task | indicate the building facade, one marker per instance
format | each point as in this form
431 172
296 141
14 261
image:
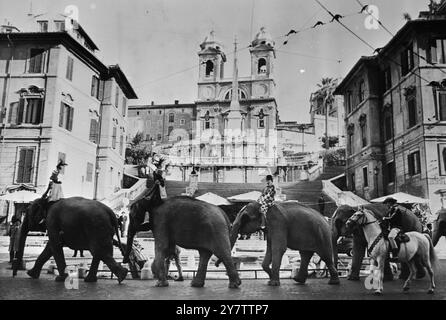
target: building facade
58 103
395 106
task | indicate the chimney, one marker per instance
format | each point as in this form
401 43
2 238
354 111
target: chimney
176 101
153 103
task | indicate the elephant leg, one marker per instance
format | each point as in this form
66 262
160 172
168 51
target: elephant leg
59 257
278 249
305 257
334 277
224 254
180 271
159 266
198 280
167 266
268 259
93 271
114 267
41 260
359 247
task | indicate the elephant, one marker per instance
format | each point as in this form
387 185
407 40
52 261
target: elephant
409 222
288 225
77 223
439 226
188 223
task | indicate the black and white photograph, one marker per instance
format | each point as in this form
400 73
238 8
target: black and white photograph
238 152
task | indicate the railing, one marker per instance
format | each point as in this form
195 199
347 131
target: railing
264 161
341 197
116 200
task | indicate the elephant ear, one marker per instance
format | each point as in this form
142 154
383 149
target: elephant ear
252 211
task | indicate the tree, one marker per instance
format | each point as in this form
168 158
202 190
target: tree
332 142
137 153
325 92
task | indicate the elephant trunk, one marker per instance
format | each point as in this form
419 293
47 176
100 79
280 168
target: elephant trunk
19 246
334 241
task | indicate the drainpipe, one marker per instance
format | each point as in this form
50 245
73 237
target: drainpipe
98 143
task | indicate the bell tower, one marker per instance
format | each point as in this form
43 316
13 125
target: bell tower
262 63
211 66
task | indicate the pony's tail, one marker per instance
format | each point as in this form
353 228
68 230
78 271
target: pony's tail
432 254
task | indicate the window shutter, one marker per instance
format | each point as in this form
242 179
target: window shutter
28 166
101 90
442 106
20 169
20 110
61 114
70 118
93 86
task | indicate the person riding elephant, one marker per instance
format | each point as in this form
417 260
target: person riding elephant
439 226
266 200
158 164
290 225
188 223
409 222
54 191
77 223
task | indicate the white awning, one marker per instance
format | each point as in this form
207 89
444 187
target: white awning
246 197
22 196
402 197
213 199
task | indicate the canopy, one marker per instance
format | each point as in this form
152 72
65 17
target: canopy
246 197
214 199
402 197
22 196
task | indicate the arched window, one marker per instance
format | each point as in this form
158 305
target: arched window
171 117
209 68
241 94
261 68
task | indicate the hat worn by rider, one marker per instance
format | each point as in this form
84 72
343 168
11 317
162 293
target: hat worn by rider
390 201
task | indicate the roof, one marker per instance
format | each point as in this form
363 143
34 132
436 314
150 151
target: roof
435 24
402 197
116 72
162 106
362 61
87 38
63 38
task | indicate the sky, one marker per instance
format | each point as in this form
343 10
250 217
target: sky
156 42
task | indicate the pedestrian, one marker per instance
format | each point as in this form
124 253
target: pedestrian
266 200
321 203
13 236
81 253
54 191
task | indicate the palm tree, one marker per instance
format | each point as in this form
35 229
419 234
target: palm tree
325 92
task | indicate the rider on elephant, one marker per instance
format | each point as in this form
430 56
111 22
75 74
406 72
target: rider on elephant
54 190
158 163
266 200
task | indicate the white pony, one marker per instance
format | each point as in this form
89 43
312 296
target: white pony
418 247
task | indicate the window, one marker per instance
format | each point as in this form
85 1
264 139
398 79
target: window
261 68
365 175
43 26
388 130
179 139
26 110
353 182
169 130
121 144
94 131
413 161
36 61
160 112
182 122
387 79
261 122
412 111
349 100
241 94
25 165
89 172
437 52
66 116
363 126
70 63
117 97
147 137
115 130
171 117
209 68
442 105
389 171
350 143
442 163
407 60
95 87
159 136
124 106
59 25
361 92
62 156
